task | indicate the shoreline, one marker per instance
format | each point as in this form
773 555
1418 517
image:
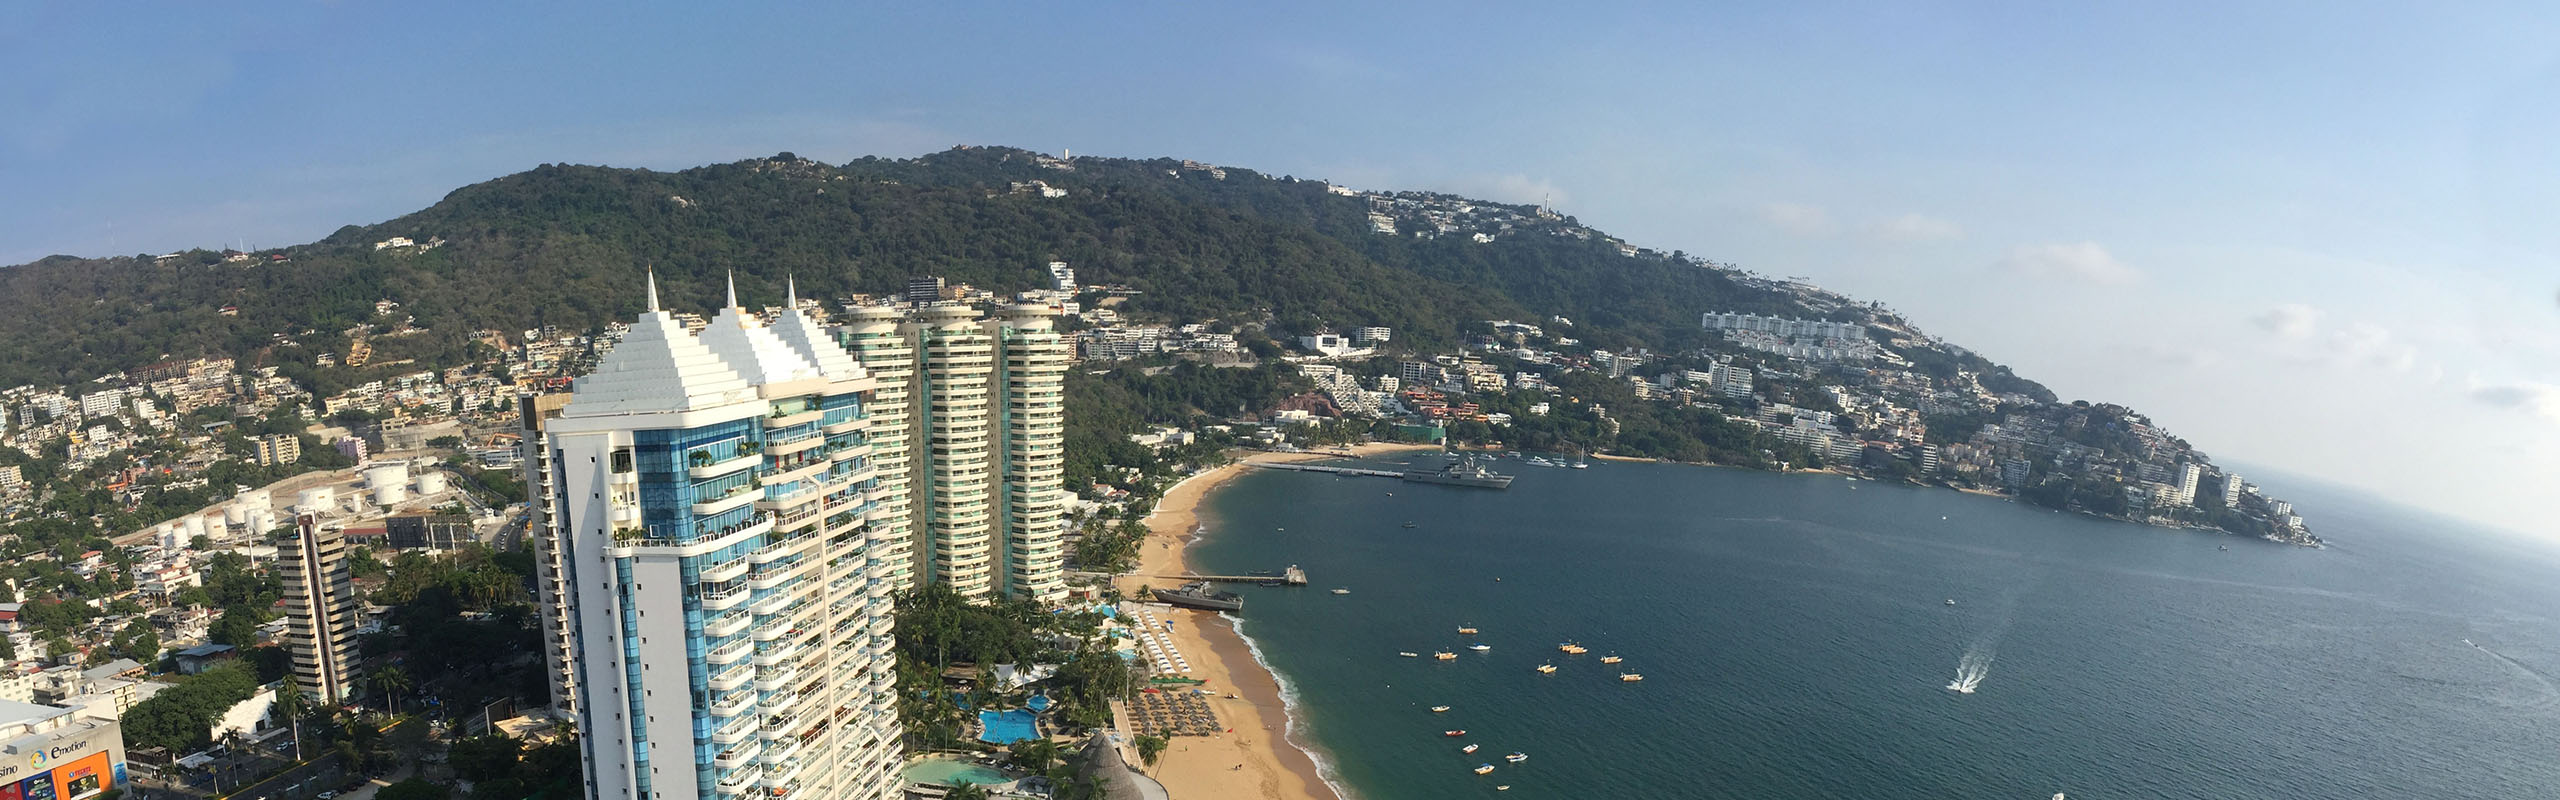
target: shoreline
1261 754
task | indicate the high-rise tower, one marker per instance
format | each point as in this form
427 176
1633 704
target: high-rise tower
726 600
972 410
320 612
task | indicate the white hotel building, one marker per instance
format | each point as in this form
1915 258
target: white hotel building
974 409
719 559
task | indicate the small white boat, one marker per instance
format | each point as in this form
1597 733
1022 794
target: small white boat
1951 601
1610 659
1503 788
1576 465
1479 647
1467 749
1572 648
1439 709
1630 677
1408 655
1546 669
1445 655
1516 757
1338 590
1483 768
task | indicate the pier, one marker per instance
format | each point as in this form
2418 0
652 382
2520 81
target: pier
1365 473
1292 576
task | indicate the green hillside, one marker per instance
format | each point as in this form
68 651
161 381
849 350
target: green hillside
565 245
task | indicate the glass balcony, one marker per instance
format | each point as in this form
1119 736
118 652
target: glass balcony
731 653
739 756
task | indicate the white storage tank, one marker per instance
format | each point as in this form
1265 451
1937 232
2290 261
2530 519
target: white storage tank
194 527
321 500
254 498
235 514
431 482
260 522
387 495
392 474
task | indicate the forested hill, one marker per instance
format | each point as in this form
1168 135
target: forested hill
565 245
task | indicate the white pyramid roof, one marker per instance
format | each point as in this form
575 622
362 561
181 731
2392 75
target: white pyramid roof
811 342
747 346
658 367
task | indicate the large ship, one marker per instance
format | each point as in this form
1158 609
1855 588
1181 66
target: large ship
1461 471
1199 595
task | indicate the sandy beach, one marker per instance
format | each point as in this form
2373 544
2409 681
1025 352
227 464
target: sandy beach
1255 759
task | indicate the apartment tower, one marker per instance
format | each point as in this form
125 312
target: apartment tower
983 423
320 612
550 573
726 591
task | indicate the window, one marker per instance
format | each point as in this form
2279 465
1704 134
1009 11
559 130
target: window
622 460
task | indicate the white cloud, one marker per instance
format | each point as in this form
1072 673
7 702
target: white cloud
2084 261
2290 321
2364 343
2357 345
1916 228
1799 219
2539 399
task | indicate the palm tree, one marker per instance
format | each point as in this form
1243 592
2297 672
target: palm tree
964 790
291 705
390 681
1149 747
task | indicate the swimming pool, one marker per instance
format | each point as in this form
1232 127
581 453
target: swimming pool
1007 727
951 771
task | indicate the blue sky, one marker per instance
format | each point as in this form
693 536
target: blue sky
2317 237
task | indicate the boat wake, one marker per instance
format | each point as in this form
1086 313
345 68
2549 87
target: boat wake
2545 680
1971 669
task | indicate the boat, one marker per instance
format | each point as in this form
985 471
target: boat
1483 768
1572 648
1460 471
1540 461
1454 734
1445 655
1479 647
1340 590
1516 757
1582 465
1546 669
1503 788
1407 655
1467 631
1468 749
1408 523
1610 659
2226 547
1630 677
1951 601
1199 595
1439 709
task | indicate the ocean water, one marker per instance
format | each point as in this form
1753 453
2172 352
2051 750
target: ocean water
1795 642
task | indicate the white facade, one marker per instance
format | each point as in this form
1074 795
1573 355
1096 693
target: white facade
971 411
710 514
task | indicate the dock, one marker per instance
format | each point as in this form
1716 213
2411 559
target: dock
1365 473
1292 576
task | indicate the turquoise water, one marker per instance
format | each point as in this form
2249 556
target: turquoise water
950 772
1007 727
1795 642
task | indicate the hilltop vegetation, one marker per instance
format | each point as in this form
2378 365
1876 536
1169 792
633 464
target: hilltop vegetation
565 245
